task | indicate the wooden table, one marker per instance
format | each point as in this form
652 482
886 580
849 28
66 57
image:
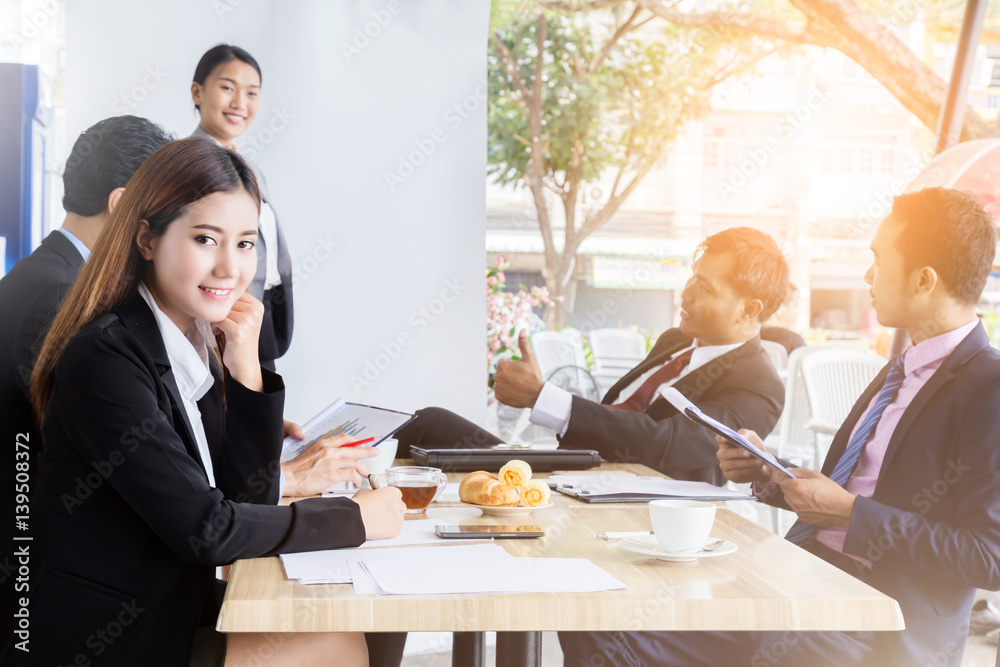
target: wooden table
768 584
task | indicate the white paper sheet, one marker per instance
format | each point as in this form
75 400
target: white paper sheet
334 566
492 575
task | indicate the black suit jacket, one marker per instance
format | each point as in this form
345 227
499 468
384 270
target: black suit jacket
29 298
740 388
127 528
932 526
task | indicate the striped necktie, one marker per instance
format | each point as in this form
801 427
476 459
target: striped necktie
801 532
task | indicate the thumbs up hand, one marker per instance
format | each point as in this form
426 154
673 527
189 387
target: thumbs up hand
518 383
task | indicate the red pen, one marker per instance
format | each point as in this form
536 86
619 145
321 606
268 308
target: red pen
359 442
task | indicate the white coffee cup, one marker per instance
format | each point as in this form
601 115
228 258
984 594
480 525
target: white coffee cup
680 525
386 455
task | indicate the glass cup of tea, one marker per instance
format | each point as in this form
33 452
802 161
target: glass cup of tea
419 485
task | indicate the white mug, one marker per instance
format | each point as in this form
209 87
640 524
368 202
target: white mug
680 525
386 455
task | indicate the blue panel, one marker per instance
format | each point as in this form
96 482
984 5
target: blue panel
24 113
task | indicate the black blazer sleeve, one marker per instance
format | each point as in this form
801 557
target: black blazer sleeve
104 373
246 464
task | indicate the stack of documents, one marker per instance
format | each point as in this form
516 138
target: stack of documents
334 566
615 488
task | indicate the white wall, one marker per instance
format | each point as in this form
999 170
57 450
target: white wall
369 257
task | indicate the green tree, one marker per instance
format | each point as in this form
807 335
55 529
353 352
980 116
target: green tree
576 96
861 30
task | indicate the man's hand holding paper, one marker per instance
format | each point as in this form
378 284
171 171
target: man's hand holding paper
740 466
813 496
817 499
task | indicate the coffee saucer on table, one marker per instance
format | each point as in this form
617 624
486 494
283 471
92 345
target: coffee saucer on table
648 546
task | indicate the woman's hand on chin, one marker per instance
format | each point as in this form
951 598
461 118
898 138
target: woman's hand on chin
242 331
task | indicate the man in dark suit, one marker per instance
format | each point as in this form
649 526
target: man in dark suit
715 359
907 499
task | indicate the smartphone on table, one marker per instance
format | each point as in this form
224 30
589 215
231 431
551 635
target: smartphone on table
478 532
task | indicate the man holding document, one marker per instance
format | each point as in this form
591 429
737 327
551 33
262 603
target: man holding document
907 499
714 358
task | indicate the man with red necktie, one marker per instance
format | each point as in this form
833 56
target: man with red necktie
907 499
714 358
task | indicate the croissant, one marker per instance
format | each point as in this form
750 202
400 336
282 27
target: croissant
483 488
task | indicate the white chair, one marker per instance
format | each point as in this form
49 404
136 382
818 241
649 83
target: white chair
834 381
778 355
616 352
793 439
555 349
562 361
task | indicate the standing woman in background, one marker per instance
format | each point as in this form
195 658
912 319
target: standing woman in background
226 92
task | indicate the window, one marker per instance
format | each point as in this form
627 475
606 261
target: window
888 160
867 160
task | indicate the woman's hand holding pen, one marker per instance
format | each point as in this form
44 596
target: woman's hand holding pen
242 331
382 511
324 463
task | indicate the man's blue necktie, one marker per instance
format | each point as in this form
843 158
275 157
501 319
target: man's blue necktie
801 532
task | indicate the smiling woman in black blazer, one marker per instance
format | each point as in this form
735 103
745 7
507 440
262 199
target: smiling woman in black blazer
162 439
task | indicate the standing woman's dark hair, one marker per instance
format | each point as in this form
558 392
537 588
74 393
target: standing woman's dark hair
223 53
173 178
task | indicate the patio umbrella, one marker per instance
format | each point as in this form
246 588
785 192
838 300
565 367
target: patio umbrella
973 166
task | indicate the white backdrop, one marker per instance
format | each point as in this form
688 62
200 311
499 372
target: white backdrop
372 138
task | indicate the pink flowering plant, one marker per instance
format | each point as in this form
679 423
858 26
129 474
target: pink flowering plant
507 313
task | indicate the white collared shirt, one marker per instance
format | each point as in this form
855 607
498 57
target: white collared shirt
267 223
80 246
554 404
188 357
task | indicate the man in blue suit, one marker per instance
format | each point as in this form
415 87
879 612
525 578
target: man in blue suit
908 499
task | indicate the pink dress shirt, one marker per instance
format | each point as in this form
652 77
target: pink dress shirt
922 360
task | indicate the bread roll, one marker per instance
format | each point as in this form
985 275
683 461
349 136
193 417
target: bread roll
483 488
535 493
516 473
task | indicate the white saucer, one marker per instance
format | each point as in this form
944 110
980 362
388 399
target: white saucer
648 546
520 510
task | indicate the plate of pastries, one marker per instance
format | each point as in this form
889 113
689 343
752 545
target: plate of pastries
512 492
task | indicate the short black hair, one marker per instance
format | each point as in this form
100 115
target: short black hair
104 157
761 269
215 56
949 231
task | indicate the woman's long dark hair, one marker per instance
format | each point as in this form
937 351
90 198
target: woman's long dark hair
173 178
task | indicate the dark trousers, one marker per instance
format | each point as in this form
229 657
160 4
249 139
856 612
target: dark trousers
385 649
718 649
442 429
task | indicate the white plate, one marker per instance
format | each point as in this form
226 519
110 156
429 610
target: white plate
520 510
648 546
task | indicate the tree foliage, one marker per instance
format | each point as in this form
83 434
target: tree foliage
575 97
